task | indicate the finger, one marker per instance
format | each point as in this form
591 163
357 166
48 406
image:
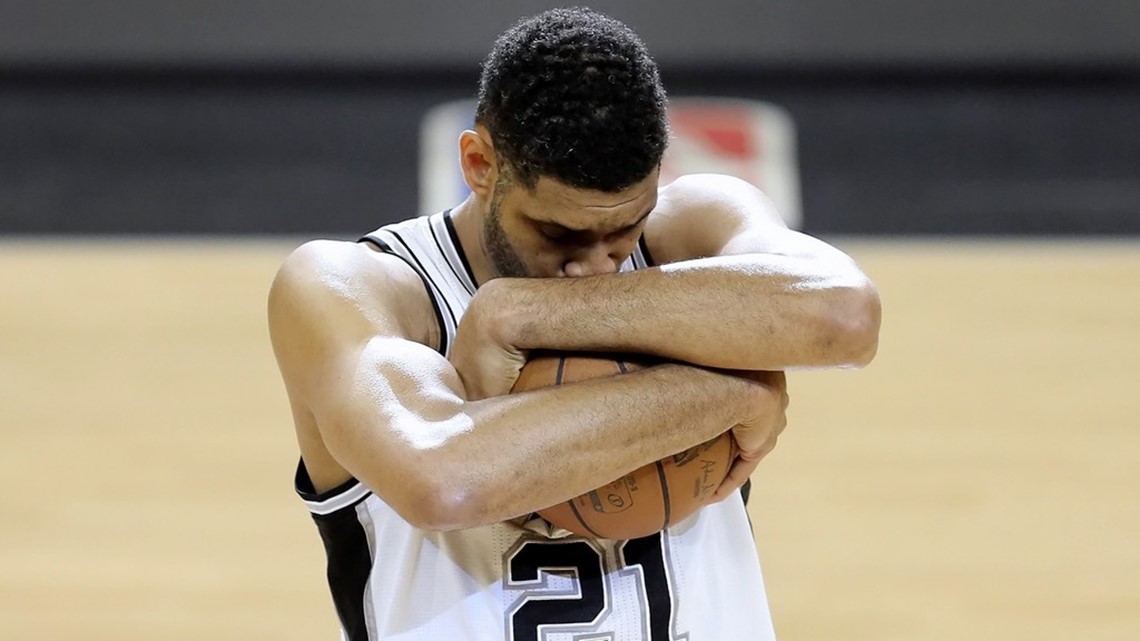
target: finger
781 425
738 475
767 448
762 447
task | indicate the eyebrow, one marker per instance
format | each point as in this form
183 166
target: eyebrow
590 231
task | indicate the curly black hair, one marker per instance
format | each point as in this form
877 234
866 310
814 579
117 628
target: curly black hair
573 95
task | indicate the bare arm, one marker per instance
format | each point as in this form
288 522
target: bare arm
737 290
392 412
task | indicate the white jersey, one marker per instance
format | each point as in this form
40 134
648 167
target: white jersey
524 580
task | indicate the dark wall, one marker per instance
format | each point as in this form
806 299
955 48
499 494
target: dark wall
428 33
289 117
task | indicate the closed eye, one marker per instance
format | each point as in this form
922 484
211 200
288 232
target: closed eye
555 234
628 229
559 235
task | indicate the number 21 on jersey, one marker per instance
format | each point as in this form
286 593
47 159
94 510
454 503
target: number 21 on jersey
565 591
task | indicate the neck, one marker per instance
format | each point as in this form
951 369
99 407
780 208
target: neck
468 220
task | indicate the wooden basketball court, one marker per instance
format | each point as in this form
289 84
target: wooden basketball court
981 480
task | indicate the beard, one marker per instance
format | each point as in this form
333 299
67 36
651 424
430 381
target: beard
504 259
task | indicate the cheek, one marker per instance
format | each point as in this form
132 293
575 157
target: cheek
544 261
536 256
625 245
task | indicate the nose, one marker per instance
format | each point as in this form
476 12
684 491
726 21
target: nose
595 259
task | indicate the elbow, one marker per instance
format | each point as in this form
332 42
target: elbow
854 326
437 500
448 508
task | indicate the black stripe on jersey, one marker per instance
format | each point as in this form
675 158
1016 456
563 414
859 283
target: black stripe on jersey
349 566
349 557
442 298
649 262
446 259
459 246
428 286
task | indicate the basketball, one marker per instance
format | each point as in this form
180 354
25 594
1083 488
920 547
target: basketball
647 499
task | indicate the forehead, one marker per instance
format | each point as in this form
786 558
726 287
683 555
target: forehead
554 202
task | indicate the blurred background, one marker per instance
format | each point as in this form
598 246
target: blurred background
220 117
981 160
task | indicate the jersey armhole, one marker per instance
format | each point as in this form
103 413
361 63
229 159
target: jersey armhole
387 249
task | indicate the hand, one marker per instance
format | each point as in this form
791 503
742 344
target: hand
757 435
487 362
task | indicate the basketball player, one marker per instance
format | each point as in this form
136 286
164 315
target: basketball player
423 475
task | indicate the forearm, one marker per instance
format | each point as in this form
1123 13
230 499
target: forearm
524 452
761 312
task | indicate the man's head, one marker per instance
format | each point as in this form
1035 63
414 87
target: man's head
573 95
571 124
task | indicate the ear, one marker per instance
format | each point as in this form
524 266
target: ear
478 162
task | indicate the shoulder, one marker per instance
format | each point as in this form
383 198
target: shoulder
697 214
340 284
327 269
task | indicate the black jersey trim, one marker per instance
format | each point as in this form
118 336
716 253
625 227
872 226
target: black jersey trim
649 262
348 554
349 568
303 483
345 495
745 490
435 286
447 258
429 286
459 247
